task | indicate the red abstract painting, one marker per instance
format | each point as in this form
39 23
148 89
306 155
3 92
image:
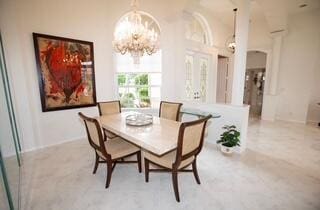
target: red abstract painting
66 72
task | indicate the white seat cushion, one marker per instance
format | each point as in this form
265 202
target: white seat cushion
167 160
118 147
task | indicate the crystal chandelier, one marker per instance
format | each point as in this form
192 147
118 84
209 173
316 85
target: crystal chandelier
134 37
231 41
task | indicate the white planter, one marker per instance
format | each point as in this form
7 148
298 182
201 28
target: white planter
226 150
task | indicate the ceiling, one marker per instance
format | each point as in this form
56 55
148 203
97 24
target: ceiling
274 12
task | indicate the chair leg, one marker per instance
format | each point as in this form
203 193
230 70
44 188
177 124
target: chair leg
175 184
139 161
96 164
109 173
146 169
195 171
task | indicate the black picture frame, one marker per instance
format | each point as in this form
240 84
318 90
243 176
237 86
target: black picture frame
60 62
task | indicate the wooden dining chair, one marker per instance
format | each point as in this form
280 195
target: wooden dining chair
110 152
189 145
107 108
169 110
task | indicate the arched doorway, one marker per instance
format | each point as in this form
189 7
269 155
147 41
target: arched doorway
255 82
198 61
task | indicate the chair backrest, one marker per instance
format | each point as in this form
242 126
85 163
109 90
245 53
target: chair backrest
94 133
169 110
190 139
109 107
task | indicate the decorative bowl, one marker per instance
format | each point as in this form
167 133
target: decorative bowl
139 119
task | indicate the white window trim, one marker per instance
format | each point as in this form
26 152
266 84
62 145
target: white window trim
137 86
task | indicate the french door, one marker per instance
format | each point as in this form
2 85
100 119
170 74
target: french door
197 66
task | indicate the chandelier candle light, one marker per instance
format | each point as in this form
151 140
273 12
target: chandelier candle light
134 37
231 42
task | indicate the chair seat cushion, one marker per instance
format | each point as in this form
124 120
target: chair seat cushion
167 160
118 148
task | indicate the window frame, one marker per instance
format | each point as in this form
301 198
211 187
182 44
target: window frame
149 86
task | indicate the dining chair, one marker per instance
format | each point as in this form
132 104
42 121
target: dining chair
169 110
107 108
189 145
110 152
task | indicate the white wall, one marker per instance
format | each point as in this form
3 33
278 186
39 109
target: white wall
300 51
314 108
230 115
85 20
298 86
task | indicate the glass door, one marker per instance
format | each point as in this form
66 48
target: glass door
9 144
197 66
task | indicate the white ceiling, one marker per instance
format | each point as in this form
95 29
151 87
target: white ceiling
275 12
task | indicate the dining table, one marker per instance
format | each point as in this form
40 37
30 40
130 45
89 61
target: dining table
159 138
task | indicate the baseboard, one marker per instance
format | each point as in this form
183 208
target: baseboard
268 119
293 121
313 123
52 145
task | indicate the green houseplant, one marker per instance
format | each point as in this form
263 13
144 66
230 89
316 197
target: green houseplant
229 139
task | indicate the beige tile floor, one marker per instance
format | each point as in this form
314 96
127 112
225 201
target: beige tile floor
279 170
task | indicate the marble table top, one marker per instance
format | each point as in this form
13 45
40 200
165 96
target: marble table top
159 138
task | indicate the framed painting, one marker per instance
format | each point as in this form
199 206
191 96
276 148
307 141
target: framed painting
65 72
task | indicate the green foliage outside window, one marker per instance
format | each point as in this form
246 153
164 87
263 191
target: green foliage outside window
142 79
127 100
121 79
141 95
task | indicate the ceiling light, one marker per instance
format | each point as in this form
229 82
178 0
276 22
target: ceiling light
231 41
134 37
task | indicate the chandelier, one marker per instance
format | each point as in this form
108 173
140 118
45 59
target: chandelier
231 41
134 37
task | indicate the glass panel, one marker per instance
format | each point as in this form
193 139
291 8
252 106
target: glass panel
142 79
121 79
189 78
195 31
9 140
203 78
134 89
144 97
4 204
131 79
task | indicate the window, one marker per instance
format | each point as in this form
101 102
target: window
197 29
139 86
203 78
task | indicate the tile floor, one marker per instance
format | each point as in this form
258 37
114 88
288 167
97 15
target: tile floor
279 170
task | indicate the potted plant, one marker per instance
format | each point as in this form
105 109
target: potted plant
229 139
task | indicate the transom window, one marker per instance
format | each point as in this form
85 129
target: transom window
197 29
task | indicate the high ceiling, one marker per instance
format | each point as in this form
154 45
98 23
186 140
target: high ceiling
275 12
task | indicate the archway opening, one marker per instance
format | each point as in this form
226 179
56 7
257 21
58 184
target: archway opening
255 82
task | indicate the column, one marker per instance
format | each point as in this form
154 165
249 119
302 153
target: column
275 66
240 55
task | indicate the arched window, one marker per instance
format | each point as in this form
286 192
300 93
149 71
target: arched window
197 30
139 86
